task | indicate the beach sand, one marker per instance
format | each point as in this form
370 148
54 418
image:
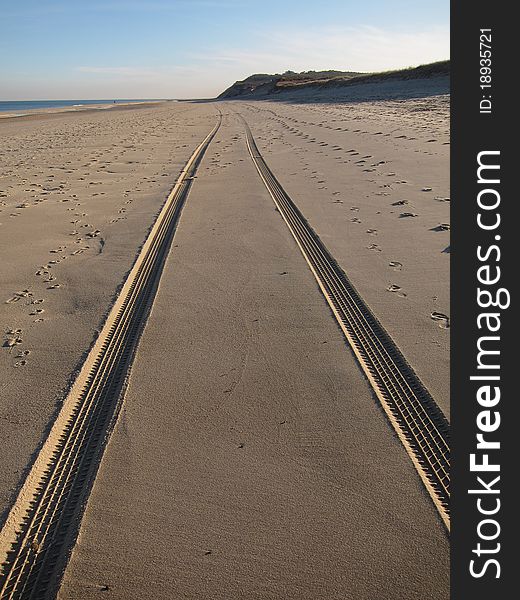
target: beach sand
372 178
75 108
250 459
259 463
78 192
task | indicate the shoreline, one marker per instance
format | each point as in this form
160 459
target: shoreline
79 108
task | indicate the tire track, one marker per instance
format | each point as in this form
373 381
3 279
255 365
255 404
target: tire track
416 418
44 521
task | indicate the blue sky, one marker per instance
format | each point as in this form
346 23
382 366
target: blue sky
57 49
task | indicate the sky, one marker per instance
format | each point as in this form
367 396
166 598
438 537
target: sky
93 49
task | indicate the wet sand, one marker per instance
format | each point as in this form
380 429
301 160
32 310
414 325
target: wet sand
29 113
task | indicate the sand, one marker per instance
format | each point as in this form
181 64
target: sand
78 193
251 459
265 475
372 179
76 108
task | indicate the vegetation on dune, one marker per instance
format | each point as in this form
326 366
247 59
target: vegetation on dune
262 83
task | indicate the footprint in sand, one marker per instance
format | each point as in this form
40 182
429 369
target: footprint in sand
400 203
441 227
407 215
426 189
12 338
355 220
396 265
11 342
396 289
441 318
374 247
18 296
372 231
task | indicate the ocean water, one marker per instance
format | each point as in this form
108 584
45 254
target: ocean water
23 105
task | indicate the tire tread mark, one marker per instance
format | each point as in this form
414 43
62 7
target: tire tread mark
418 421
44 521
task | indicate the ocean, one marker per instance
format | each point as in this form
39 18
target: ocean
23 105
